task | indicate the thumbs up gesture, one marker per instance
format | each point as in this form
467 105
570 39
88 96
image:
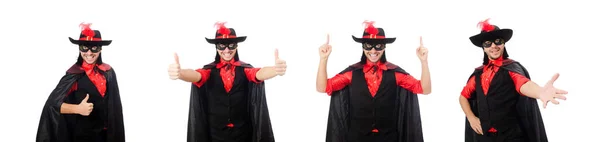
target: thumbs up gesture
175 69
280 65
85 108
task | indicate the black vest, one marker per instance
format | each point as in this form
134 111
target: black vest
367 112
498 108
225 108
87 127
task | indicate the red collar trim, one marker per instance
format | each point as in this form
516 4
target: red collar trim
224 63
369 65
80 69
496 62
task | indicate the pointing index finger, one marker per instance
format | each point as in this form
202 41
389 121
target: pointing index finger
327 40
421 40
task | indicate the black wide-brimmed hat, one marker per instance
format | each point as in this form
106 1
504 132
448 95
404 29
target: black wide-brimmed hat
490 32
373 35
89 37
225 35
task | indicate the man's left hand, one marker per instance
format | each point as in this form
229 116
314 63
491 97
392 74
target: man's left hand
550 94
280 65
422 51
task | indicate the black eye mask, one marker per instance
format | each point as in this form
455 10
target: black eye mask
377 46
488 43
222 46
94 48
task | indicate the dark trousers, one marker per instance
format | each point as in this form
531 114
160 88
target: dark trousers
373 137
231 135
91 137
514 134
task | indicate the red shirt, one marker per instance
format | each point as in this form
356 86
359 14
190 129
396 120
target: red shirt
373 78
486 78
97 78
227 72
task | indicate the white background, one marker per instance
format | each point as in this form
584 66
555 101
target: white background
549 37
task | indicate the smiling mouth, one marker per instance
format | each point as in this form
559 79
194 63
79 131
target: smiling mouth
88 57
227 54
373 55
495 51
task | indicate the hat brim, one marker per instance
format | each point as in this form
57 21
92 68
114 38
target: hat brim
83 42
227 40
478 39
372 40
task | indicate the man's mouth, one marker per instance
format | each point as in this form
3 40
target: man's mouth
227 54
88 57
373 55
494 51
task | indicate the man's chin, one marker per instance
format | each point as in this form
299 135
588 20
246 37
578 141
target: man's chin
495 57
227 59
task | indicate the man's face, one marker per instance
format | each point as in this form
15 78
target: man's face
226 50
90 53
373 51
494 48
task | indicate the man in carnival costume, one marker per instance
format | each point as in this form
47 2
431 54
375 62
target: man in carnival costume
227 101
86 105
499 99
373 100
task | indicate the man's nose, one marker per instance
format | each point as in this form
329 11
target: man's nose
494 45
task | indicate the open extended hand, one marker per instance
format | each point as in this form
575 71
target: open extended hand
550 94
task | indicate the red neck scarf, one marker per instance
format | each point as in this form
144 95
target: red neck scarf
373 67
97 78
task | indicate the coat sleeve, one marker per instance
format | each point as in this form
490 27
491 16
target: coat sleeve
409 114
52 125
259 111
470 135
337 120
529 112
116 127
197 130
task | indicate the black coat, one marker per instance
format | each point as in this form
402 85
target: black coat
530 118
257 106
52 126
409 116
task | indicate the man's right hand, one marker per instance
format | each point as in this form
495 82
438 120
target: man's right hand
325 49
175 69
475 125
85 108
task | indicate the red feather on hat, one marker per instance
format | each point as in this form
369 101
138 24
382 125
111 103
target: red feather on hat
370 28
485 25
86 30
222 29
